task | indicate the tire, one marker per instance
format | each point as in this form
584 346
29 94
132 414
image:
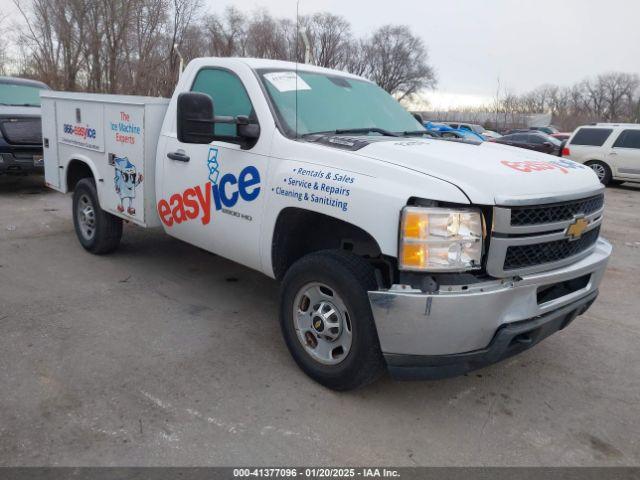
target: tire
99 232
358 360
601 169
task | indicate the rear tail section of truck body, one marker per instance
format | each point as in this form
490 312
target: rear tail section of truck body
116 137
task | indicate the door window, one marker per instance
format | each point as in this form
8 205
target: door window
628 139
230 98
518 138
592 137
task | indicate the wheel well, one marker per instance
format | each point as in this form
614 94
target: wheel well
76 171
597 160
299 232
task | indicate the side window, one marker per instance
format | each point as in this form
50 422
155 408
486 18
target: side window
628 139
229 97
536 139
519 138
465 127
592 137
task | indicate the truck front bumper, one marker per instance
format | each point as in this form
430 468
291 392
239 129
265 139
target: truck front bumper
20 158
459 329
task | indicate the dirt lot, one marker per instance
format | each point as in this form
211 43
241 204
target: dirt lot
162 354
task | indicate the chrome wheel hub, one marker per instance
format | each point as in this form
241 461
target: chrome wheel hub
322 323
598 169
86 217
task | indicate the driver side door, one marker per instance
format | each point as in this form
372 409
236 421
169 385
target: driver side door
213 192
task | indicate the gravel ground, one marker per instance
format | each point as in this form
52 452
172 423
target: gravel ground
162 354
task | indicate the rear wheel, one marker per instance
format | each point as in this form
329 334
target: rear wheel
327 322
98 231
601 169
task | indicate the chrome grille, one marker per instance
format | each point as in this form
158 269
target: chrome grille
556 212
522 256
534 238
25 131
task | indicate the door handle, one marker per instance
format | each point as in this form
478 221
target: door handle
613 153
178 156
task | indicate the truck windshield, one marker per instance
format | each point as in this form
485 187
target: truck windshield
326 103
19 95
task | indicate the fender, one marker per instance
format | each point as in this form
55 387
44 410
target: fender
81 159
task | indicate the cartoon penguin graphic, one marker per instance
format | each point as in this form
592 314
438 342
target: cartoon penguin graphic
126 180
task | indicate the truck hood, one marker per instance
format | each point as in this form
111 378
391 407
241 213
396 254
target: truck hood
9 111
488 173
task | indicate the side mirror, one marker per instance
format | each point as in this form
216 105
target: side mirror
419 118
547 144
196 122
246 130
195 118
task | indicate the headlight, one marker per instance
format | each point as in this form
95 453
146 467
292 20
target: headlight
440 239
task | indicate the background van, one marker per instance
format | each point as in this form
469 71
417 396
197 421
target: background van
612 150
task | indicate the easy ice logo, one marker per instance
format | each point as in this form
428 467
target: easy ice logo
528 166
221 192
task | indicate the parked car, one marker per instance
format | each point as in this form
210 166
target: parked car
533 140
490 134
612 150
549 129
478 129
20 125
447 131
393 250
562 136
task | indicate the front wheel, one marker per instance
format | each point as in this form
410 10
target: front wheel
602 171
326 319
98 231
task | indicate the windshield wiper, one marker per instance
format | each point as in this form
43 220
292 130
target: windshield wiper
381 131
421 132
342 131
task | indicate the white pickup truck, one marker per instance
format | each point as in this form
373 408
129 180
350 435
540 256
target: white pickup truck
394 249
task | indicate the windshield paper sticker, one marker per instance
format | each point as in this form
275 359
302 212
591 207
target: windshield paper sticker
528 166
287 81
323 187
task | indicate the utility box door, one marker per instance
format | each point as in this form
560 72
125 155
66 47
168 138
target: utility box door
50 144
124 172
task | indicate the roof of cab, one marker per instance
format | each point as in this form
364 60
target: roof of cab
263 63
23 81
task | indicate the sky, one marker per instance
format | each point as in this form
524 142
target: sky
475 45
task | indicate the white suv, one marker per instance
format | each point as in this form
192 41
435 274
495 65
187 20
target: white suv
612 150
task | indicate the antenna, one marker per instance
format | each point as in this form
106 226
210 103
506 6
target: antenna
297 43
175 47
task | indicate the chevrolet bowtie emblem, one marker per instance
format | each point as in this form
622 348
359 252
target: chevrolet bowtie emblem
577 228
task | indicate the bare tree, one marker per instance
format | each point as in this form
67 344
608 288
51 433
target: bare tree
330 37
398 61
53 34
226 33
265 37
3 49
129 45
144 56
